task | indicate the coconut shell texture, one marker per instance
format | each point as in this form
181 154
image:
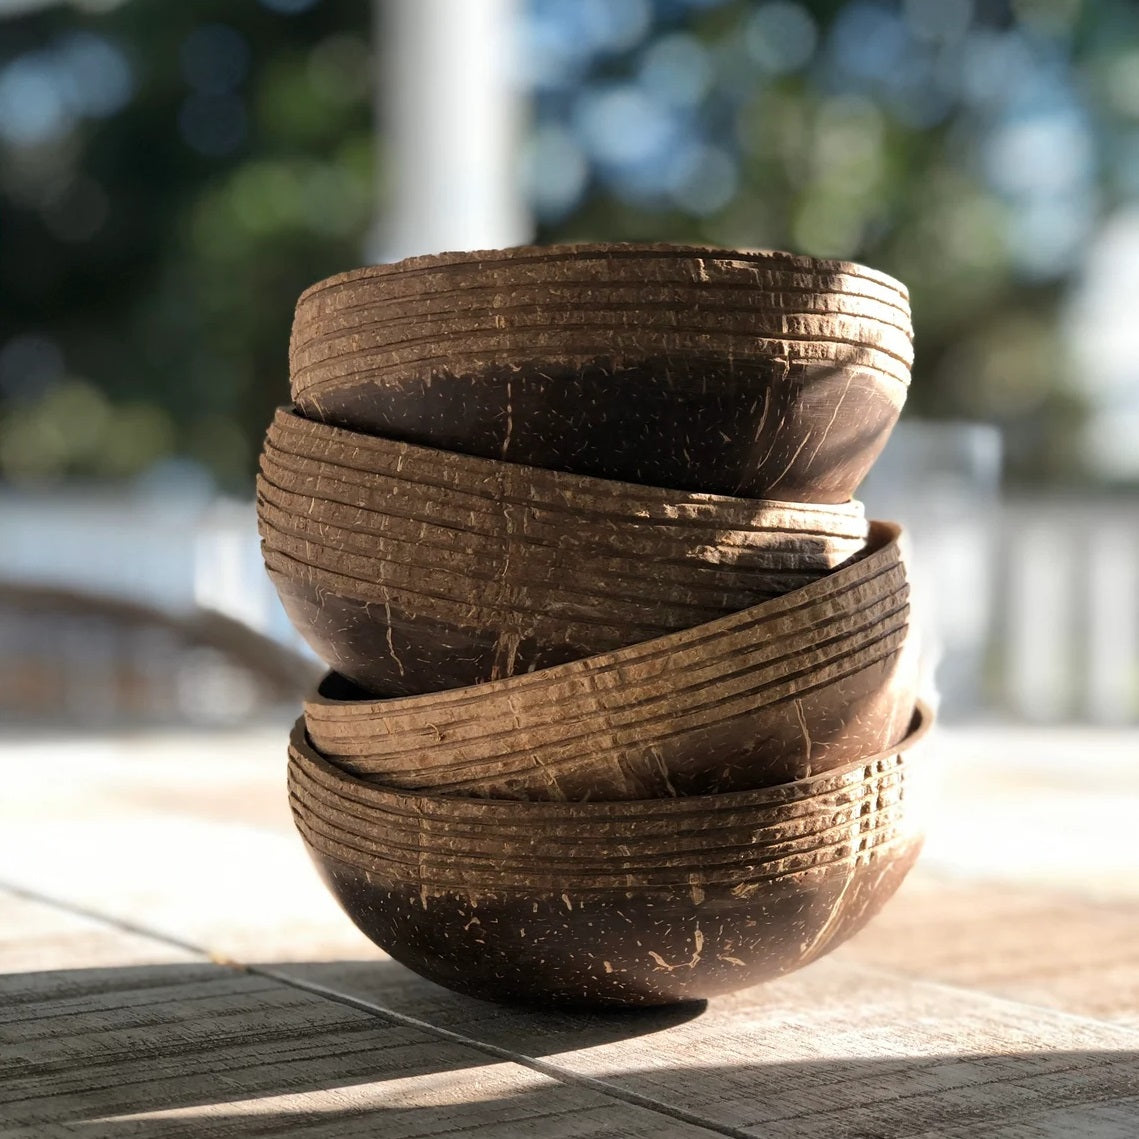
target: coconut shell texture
757 374
615 903
413 570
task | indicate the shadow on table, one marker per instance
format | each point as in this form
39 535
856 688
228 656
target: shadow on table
197 1051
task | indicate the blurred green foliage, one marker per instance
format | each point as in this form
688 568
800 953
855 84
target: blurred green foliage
149 266
970 147
171 182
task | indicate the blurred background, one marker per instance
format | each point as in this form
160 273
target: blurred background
172 176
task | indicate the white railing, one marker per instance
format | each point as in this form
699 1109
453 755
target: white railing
172 553
1066 632
1031 606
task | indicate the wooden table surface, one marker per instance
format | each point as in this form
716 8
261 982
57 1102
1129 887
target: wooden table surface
172 967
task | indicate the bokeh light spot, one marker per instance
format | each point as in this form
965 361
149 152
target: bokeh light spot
289 7
827 225
332 202
33 108
849 141
1045 154
266 196
1047 234
676 70
213 125
94 74
29 365
1055 17
994 65
554 55
621 126
66 427
781 36
868 41
555 172
945 20
1121 79
214 58
704 180
613 25
138 435
340 68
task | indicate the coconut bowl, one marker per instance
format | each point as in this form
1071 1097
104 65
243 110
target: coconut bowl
786 689
747 373
632 903
412 570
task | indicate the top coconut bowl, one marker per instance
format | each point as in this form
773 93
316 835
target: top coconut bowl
756 374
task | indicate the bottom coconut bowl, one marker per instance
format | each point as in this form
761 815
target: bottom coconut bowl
644 946
682 928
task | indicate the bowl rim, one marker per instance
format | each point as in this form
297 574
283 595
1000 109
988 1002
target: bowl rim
760 834
889 536
471 757
442 591
856 848
838 520
288 419
362 790
534 253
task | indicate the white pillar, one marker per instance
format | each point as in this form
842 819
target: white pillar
451 115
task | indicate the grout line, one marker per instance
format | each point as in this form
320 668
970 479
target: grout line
122 924
870 968
610 1091
552 1071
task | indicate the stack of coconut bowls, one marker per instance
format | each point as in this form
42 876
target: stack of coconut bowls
623 703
